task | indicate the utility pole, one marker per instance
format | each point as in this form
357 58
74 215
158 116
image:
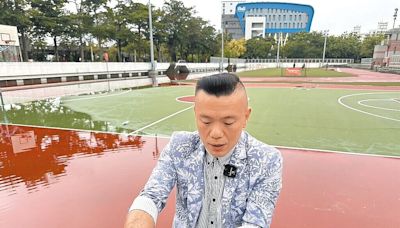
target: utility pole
152 73
323 53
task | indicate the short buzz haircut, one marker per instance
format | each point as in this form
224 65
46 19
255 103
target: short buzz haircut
219 84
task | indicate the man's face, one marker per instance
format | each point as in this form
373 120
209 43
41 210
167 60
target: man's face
220 120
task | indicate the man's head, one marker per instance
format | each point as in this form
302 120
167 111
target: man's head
221 110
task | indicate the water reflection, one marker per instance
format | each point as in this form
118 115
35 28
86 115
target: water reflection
50 112
38 156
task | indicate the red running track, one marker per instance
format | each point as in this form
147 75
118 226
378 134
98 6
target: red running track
63 178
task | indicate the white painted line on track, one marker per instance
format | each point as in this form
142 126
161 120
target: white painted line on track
337 152
168 137
160 120
83 130
357 110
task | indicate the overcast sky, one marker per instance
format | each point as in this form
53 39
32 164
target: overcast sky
337 16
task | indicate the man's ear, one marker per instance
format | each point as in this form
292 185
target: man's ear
247 116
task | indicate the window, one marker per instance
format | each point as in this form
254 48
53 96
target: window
295 17
300 17
274 17
279 17
284 17
290 17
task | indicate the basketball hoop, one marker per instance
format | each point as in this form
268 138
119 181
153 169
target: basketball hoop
9 42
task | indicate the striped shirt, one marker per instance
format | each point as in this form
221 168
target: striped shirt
210 214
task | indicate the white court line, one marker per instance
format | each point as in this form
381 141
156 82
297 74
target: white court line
83 130
95 97
168 137
357 110
377 107
160 120
188 102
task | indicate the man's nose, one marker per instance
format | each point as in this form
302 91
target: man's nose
216 133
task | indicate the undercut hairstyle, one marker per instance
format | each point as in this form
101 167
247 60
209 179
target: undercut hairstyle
219 84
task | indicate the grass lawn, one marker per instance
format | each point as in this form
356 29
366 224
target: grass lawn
280 72
307 118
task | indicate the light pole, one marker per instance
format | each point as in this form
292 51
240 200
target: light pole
323 53
152 73
395 16
277 52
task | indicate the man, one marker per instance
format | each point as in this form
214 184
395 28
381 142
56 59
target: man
224 176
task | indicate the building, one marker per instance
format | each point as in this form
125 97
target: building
246 20
9 44
388 53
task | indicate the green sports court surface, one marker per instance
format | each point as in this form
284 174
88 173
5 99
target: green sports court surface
353 121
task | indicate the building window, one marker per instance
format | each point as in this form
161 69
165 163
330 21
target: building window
284 17
279 17
273 17
280 25
290 18
295 17
300 17
285 25
269 17
294 25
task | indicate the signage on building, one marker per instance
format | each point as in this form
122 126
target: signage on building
241 9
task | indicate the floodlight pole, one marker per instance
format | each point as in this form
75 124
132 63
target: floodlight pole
323 53
152 73
277 52
222 48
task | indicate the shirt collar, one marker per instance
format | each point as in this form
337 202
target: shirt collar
221 160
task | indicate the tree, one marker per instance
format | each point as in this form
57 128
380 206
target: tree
49 19
259 47
368 44
176 19
235 48
304 45
347 45
17 13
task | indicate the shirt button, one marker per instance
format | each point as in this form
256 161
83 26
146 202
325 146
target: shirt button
213 200
216 177
212 222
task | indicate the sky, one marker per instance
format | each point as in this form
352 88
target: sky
337 16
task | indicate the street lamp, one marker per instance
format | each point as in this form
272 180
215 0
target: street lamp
323 53
152 73
395 16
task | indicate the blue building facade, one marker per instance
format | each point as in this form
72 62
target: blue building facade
250 19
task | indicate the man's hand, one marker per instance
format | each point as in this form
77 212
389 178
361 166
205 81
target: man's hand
139 219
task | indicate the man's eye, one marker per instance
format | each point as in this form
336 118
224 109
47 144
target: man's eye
229 123
206 123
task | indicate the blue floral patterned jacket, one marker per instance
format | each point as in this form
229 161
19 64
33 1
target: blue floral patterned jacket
249 197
